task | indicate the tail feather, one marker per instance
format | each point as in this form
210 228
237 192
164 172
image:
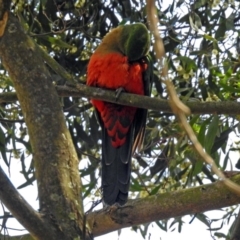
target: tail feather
116 172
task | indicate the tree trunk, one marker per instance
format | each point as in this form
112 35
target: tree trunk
55 159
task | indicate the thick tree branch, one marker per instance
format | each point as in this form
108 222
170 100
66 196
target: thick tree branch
20 237
56 66
8 97
27 216
157 104
162 206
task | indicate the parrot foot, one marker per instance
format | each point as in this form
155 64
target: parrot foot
111 207
118 92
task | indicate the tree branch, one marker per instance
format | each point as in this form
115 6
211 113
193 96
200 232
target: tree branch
157 104
196 107
27 216
162 206
55 66
20 237
8 97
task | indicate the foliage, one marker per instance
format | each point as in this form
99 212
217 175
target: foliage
202 46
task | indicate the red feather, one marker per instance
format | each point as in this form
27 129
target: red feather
120 124
112 71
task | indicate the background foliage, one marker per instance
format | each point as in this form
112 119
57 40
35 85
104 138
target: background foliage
202 46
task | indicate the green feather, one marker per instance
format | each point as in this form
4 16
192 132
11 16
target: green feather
134 41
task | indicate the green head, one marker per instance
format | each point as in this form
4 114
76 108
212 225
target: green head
134 41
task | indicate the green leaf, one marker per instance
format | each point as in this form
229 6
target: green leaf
27 183
197 168
3 147
203 218
220 235
57 42
201 134
155 190
162 225
181 173
187 63
208 37
204 91
221 140
211 134
135 186
221 29
88 188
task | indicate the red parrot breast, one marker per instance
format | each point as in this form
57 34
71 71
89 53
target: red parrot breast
113 71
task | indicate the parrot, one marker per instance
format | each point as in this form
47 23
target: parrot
121 63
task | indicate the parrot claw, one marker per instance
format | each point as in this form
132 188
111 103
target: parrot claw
111 208
118 92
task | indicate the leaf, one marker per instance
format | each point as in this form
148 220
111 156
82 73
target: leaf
204 92
220 140
144 229
88 170
161 161
208 37
162 225
214 87
27 183
187 63
57 42
135 186
220 235
225 161
199 4
181 173
220 32
211 134
3 147
89 188
197 168
155 190
203 218
228 88
201 134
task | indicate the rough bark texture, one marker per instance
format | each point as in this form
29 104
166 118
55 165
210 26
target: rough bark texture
163 206
21 210
157 104
55 159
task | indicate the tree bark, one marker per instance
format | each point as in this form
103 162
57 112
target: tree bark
55 159
21 210
163 206
157 104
